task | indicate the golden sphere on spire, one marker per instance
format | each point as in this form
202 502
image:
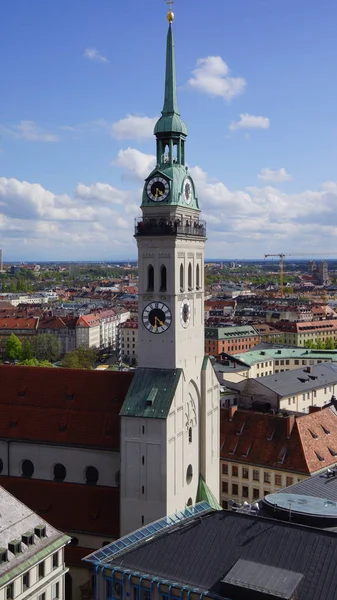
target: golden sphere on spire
170 16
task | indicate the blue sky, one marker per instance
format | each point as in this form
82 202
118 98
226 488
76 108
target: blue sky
82 84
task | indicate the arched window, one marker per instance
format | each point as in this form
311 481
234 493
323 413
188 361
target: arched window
189 276
189 502
150 278
181 278
197 278
60 472
190 435
189 474
91 475
163 277
27 468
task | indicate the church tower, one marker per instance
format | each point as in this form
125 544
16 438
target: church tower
170 418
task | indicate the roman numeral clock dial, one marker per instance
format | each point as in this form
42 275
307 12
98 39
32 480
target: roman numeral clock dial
157 317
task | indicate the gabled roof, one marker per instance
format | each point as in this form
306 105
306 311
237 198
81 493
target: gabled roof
89 508
278 442
65 406
302 380
151 393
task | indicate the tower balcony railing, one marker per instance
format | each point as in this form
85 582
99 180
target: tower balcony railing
161 226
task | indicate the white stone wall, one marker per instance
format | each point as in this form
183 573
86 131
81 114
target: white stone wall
45 456
37 586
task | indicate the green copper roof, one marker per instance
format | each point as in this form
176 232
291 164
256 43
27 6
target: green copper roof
170 121
256 356
151 393
204 494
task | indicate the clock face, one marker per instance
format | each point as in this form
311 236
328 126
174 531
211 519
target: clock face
157 189
185 313
188 190
157 317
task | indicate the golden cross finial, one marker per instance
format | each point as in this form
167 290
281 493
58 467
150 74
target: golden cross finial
170 14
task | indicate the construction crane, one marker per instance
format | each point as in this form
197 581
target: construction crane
282 257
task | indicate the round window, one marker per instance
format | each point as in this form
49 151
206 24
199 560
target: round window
189 474
27 468
60 472
91 475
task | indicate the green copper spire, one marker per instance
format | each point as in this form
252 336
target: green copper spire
170 120
170 101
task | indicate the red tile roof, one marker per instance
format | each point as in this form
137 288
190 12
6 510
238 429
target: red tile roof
67 406
283 443
89 508
18 323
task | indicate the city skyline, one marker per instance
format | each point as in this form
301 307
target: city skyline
84 87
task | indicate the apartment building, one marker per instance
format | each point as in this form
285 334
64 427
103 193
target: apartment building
128 341
31 554
297 334
88 331
263 453
297 390
233 339
23 327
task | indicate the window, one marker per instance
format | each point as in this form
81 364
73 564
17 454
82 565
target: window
189 276
235 471
55 560
278 480
245 473
224 487
150 278
256 475
25 581
197 278
235 489
266 477
163 277
244 491
181 278
297 362
287 362
189 474
55 591
41 570
256 494
224 504
290 481
224 469
27 468
190 435
42 597
324 390
10 591
60 472
91 475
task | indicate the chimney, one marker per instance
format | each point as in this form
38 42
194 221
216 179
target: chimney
313 409
231 411
290 424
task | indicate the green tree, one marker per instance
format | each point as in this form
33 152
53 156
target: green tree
309 344
27 351
329 344
81 358
13 347
319 344
47 347
33 362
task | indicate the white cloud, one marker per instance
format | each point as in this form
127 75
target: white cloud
212 76
93 54
134 127
138 164
29 130
276 176
247 121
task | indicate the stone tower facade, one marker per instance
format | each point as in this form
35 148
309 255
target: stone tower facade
170 418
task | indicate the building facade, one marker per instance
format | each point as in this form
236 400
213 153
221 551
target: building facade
128 341
31 554
232 339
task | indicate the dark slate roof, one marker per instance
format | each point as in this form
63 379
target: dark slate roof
300 380
319 486
202 552
151 393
